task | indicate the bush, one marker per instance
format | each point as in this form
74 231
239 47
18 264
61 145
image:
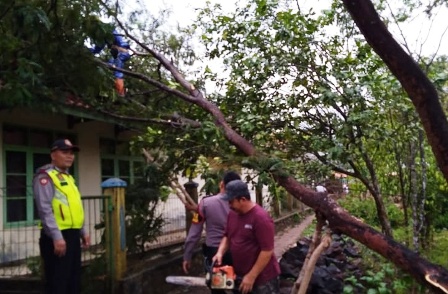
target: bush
95 278
382 281
365 209
378 275
143 221
34 264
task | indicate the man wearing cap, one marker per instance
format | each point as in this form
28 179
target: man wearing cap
249 235
211 211
60 210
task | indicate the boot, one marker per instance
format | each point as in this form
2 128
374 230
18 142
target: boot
119 86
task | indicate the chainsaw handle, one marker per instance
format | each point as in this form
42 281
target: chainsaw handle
209 264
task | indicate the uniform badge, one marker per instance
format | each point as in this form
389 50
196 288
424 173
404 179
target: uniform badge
61 179
195 218
43 181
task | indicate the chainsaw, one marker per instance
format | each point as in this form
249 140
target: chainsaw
216 277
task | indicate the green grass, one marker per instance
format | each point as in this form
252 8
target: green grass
438 252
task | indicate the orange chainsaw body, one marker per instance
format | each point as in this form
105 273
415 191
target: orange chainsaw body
222 277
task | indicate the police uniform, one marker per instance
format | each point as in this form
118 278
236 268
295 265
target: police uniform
212 211
61 213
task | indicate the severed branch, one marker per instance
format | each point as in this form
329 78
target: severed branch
311 264
315 241
138 53
180 190
150 81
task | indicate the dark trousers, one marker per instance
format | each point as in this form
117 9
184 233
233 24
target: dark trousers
270 287
62 275
209 252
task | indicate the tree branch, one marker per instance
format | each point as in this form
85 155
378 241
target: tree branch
175 121
416 84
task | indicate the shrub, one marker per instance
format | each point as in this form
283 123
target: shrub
379 276
365 209
143 221
34 264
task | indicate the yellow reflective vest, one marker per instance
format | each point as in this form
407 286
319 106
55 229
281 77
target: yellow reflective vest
67 205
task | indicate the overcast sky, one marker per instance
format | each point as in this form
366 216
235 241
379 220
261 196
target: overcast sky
183 11
422 36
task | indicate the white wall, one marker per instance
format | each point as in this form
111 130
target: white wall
18 243
87 132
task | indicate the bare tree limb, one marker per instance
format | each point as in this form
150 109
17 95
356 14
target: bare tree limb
321 247
174 121
299 286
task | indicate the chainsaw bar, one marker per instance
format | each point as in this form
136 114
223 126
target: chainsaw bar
186 281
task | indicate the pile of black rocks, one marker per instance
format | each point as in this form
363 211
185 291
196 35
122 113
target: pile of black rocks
340 261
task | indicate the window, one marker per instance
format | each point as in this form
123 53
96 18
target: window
118 162
16 187
25 150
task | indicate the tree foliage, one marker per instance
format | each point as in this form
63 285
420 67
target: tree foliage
298 90
293 90
41 44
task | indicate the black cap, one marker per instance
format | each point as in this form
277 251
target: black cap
234 189
63 144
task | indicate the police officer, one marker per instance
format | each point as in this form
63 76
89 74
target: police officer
211 211
61 214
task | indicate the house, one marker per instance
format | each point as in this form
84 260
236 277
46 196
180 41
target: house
26 135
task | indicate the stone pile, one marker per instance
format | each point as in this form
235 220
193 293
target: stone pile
340 261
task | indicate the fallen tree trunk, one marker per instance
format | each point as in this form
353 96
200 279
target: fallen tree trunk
433 276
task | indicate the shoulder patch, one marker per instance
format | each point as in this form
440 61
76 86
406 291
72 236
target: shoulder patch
196 218
43 181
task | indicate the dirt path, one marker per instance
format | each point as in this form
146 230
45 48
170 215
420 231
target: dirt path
288 237
284 240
